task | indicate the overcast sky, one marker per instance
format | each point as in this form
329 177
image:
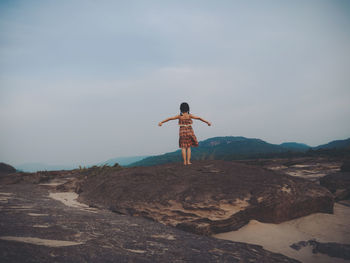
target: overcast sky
84 81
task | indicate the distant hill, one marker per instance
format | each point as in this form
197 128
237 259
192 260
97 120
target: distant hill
338 144
227 148
217 148
6 168
34 167
239 148
123 160
295 146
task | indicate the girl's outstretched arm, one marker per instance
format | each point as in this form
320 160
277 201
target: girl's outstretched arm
199 118
169 119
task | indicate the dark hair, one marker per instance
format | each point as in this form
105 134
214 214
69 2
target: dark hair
184 107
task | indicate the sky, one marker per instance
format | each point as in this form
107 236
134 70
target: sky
83 81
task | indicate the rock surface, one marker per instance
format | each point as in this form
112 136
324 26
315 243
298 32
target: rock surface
331 249
338 183
207 197
308 168
37 228
345 166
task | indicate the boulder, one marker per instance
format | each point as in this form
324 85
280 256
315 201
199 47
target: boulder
338 183
206 197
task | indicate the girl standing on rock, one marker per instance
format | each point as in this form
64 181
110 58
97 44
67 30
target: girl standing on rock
187 137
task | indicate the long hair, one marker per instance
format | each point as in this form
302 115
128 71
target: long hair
184 107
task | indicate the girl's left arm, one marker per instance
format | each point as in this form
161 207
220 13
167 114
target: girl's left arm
199 118
168 119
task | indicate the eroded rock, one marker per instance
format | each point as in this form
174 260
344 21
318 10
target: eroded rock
331 249
308 168
50 231
207 197
338 183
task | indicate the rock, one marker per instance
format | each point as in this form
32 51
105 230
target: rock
331 249
338 183
206 197
6 169
37 228
308 168
342 194
345 166
299 245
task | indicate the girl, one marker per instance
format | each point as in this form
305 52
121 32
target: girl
187 137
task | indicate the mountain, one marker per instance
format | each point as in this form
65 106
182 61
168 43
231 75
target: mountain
6 168
122 160
338 144
227 148
34 167
295 146
238 148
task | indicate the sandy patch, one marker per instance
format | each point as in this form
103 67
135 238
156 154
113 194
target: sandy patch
40 241
70 199
4 197
279 237
136 251
55 182
278 167
35 214
302 165
41 226
168 237
306 174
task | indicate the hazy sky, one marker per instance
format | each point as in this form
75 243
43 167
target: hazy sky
84 81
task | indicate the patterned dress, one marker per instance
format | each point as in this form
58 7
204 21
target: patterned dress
187 137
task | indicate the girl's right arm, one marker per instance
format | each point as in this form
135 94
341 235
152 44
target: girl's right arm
199 118
169 119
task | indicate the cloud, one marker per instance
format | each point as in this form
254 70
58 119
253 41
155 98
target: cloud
86 81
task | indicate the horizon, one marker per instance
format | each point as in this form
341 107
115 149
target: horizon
70 165
84 81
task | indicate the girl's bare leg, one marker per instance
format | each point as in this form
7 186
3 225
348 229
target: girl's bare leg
189 155
183 150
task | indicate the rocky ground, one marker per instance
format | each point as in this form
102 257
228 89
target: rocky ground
331 173
318 237
207 197
41 220
312 168
36 227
